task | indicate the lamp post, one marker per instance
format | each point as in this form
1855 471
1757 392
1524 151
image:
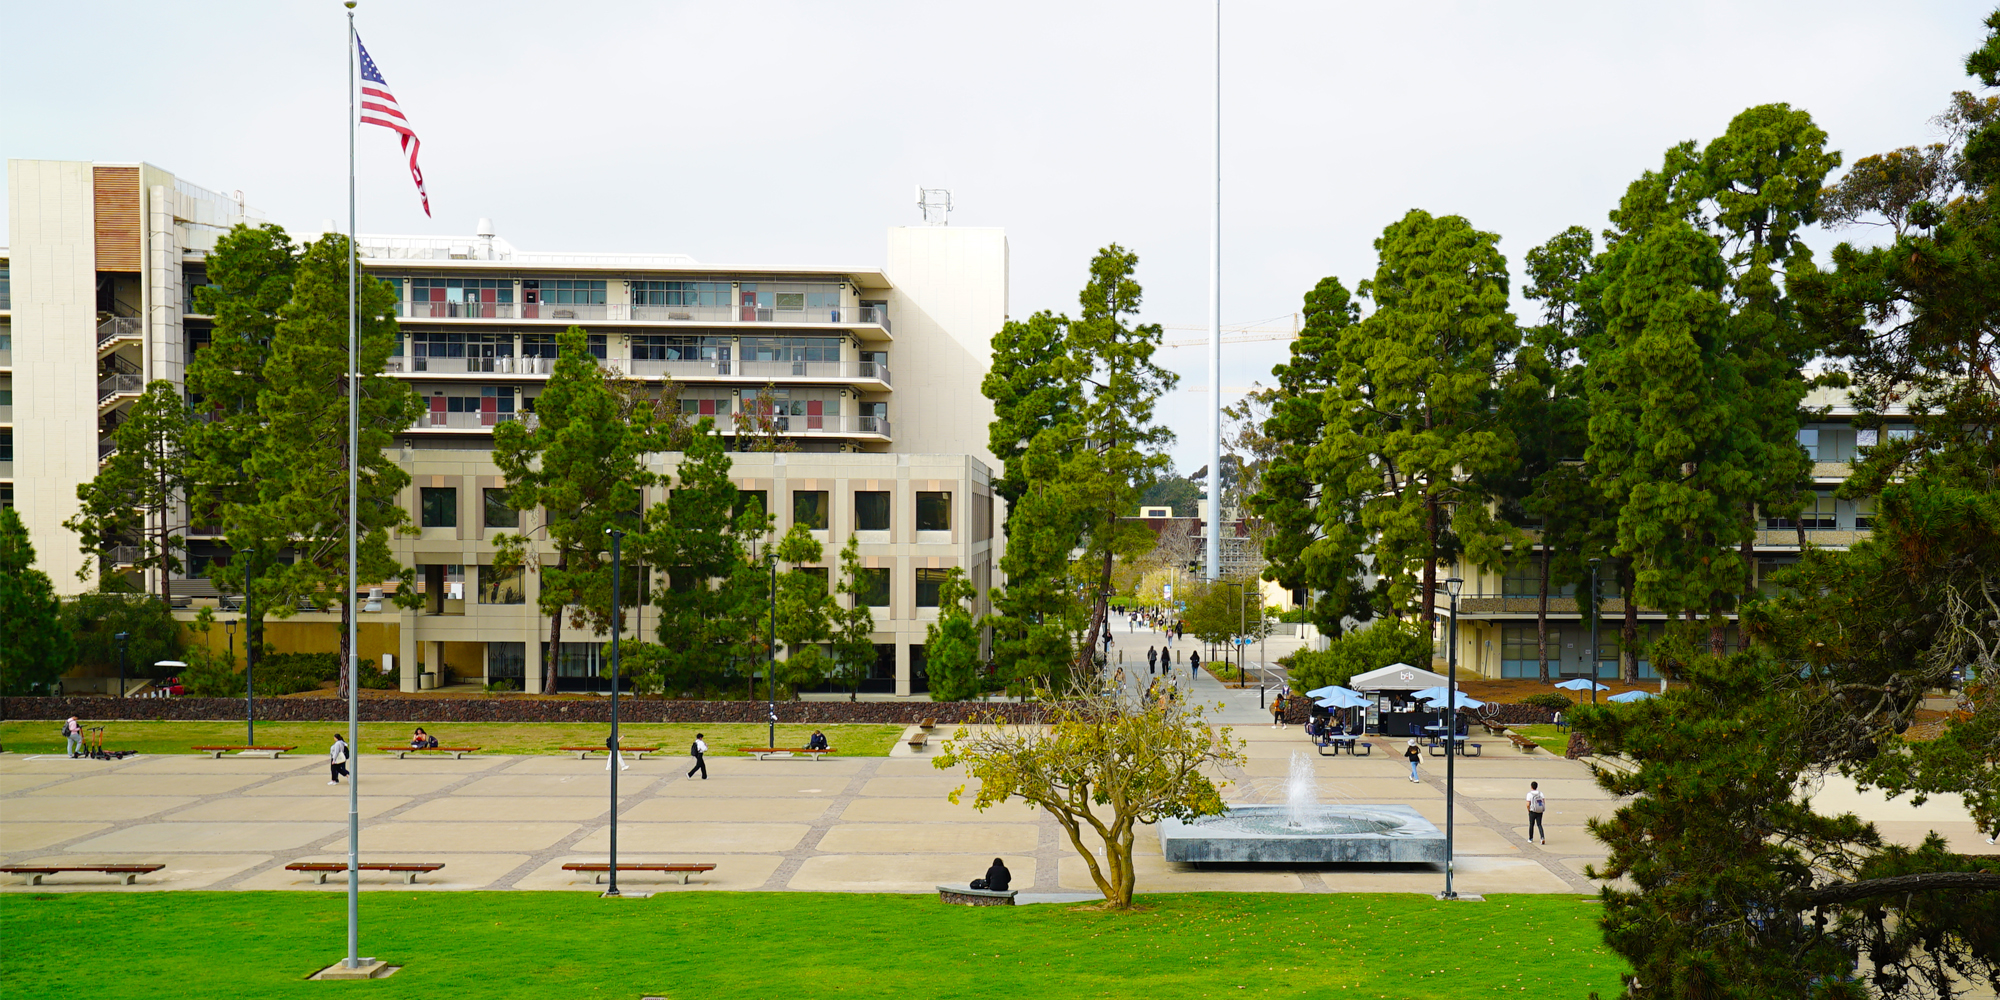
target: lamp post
1450 733
249 654
230 627
1594 616
616 629
771 653
123 639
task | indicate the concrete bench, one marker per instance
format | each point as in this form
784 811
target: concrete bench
638 753
130 873
324 868
780 753
217 752
966 895
457 753
599 871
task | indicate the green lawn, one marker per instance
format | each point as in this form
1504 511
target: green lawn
491 737
706 946
1546 735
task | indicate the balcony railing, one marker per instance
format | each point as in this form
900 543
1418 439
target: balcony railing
119 327
841 426
470 420
459 310
828 315
105 449
679 369
487 366
813 369
112 386
121 555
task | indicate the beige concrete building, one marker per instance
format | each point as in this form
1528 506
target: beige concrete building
872 376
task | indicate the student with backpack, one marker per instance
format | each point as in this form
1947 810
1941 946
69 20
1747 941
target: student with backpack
699 749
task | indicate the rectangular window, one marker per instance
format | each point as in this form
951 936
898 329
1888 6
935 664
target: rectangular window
1864 514
871 510
680 293
934 511
791 349
1526 581
810 508
440 506
538 345
1818 513
744 499
580 293
496 587
506 660
1809 440
872 587
928 582
498 514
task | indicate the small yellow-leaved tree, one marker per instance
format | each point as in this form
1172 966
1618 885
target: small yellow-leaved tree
1103 767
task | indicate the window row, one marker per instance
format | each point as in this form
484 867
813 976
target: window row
438 505
492 585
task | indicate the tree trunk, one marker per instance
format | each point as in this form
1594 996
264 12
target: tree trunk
1430 559
555 653
346 681
1628 636
1542 617
1896 885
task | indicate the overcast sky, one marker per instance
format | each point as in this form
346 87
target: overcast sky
795 133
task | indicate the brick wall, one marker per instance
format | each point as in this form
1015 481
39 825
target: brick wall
510 710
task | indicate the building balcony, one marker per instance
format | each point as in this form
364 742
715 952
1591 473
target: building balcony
121 555
806 426
470 421
105 449
619 312
471 366
759 371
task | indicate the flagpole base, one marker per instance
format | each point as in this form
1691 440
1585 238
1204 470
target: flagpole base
370 968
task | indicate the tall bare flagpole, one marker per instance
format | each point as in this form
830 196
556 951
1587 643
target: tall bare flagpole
1214 547
353 549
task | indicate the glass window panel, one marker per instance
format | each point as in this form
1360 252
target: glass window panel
928 582
498 514
497 587
873 586
440 506
871 510
934 511
810 508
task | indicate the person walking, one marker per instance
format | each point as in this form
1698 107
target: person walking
73 737
337 756
1152 659
1414 756
700 751
611 747
1278 711
1194 662
1537 805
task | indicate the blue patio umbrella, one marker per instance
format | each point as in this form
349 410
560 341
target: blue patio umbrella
1340 697
1581 684
1324 692
1462 701
1435 694
1630 697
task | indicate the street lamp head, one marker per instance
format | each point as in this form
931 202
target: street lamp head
230 625
1452 585
122 636
1594 560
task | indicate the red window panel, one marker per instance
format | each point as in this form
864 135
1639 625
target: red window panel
707 407
814 415
437 411
489 410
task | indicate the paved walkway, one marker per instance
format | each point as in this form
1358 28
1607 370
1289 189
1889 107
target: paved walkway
857 824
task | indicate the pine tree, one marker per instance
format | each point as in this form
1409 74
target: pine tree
951 644
141 493
299 465
853 626
691 537
583 465
38 649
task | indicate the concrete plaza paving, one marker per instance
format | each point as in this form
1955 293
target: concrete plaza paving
879 824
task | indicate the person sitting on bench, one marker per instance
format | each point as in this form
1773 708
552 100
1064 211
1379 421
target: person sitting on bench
996 878
421 740
818 741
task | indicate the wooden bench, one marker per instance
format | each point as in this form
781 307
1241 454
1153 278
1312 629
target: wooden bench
457 753
638 753
217 752
324 868
599 871
768 753
917 742
927 725
1522 743
130 873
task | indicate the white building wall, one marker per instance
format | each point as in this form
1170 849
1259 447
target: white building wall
951 298
54 275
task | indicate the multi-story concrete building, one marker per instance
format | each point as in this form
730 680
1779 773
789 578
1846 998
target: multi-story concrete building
871 374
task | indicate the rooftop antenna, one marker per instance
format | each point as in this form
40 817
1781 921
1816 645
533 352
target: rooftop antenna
935 203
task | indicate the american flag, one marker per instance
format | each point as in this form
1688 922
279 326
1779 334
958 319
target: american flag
378 107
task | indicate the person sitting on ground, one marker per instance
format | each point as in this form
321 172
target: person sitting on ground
997 878
818 741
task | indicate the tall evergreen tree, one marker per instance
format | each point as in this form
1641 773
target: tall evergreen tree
38 649
951 644
141 493
1073 403
300 464
1307 549
852 625
692 538
582 465
804 607
1411 421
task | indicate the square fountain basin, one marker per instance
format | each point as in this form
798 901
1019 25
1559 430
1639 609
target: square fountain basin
1407 837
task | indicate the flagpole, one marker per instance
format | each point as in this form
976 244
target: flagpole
353 550
1213 550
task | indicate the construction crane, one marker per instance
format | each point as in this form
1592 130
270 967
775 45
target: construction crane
1244 334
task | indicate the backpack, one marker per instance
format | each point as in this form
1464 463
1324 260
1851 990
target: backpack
694 749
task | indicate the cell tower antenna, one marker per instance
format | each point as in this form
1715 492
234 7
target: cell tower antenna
935 203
